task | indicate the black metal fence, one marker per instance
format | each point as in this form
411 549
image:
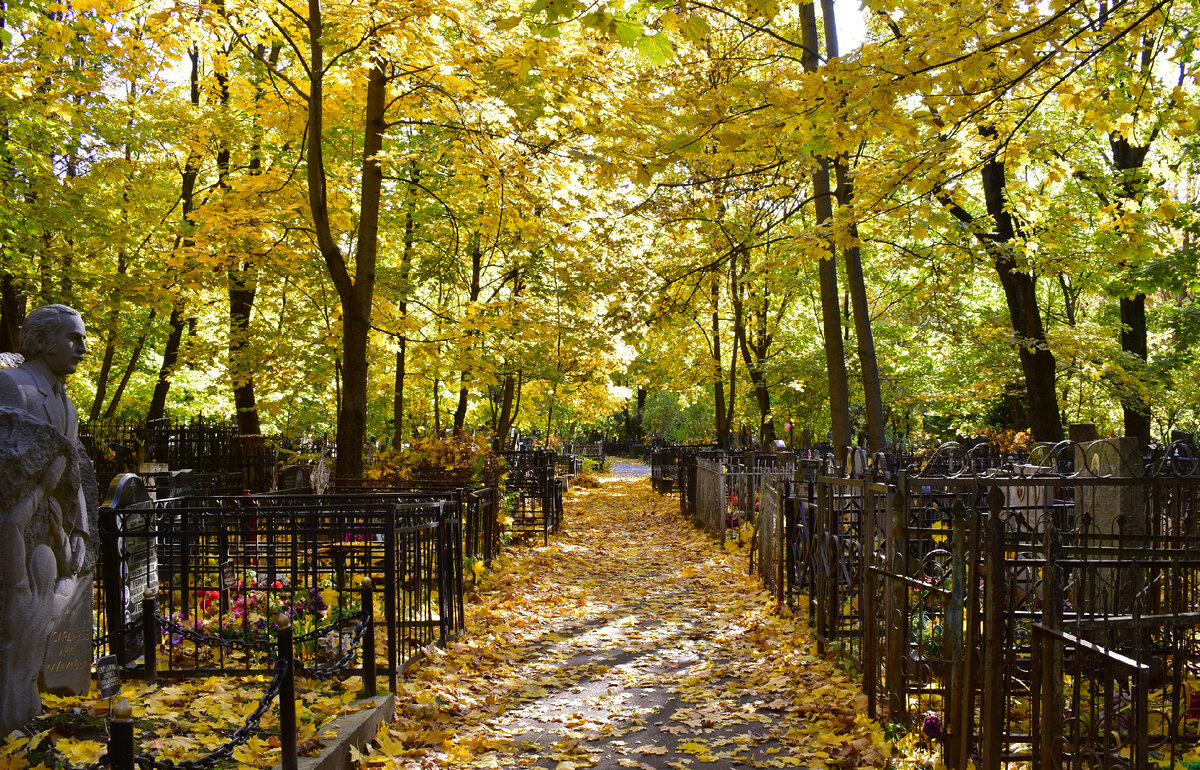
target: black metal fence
225 566
223 460
1013 609
934 585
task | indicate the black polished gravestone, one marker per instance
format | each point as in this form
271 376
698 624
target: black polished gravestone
128 563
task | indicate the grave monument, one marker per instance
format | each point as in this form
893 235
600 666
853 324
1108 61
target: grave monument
48 514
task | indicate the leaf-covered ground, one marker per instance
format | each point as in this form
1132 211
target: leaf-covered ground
632 640
178 721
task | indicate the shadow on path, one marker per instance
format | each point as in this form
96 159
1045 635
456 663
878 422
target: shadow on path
630 641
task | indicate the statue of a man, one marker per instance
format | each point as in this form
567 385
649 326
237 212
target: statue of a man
47 519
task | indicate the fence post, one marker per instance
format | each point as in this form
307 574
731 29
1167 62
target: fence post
896 610
868 614
1037 715
992 686
441 542
1141 715
1051 670
957 715
366 599
120 737
150 636
287 694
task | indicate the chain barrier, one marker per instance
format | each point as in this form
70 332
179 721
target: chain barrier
348 621
225 750
198 637
208 639
327 670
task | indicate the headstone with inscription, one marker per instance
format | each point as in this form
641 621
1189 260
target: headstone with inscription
293 477
129 562
108 676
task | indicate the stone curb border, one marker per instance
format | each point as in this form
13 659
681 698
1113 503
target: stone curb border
354 729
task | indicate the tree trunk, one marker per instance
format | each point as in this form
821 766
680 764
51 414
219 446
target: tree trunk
639 432
12 313
1128 160
410 227
437 407
241 279
460 411
355 292
1135 406
753 347
868 361
507 415
158 402
130 367
721 422
241 305
1037 361
12 301
191 171
398 393
110 345
831 322
110 350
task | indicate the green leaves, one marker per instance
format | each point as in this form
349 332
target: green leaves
657 49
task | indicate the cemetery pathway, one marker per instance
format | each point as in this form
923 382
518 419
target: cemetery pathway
632 640
626 468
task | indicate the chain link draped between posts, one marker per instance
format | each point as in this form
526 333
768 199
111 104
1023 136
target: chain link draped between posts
225 750
175 629
284 669
359 623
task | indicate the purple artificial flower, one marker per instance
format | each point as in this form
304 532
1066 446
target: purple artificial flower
932 726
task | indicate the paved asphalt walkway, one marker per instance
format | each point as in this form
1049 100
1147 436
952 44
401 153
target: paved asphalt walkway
628 469
632 640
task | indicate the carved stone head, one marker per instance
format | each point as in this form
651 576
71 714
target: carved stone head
55 335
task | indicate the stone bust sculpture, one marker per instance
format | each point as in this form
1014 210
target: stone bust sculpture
48 503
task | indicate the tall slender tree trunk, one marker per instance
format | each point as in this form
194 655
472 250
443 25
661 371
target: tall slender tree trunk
753 346
1020 291
721 422
12 301
158 401
1128 161
241 305
437 406
130 366
831 322
639 432
355 291
405 277
863 334
507 414
177 322
241 286
1038 365
12 312
855 282
110 344
460 411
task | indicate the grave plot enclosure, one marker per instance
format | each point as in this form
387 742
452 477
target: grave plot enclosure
1026 614
1007 610
535 492
227 566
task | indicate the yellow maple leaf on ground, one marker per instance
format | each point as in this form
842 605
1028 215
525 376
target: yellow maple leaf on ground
80 752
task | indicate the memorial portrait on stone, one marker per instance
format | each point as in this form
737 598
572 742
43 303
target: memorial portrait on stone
48 511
